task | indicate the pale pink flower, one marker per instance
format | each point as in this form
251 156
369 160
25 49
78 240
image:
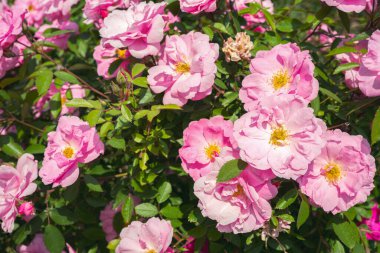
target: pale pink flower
105 56
75 90
255 19
153 236
239 205
10 25
284 69
37 245
348 5
15 184
372 5
186 69
197 6
282 134
203 141
26 209
35 11
58 9
369 71
351 76
106 218
373 224
73 142
140 28
342 175
59 40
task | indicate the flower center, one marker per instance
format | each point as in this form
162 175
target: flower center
279 136
63 100
30 8
332 172
212 151
182 67
239 191
68 152
121 53
151 251
280 79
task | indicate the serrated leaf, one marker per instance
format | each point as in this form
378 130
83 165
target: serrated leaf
80 102
146 210
347 232
140 81
93 117
137 69
287 199
127 114
171 212
116 142
44 79
53 239
62 216
164 192
303 213
345 67
67 77
207 30
127 210
230 170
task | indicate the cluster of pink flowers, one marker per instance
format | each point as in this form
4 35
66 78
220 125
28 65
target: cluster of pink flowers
73 142
278 136
366 76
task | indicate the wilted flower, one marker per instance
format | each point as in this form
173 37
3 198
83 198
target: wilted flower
274 232
238 49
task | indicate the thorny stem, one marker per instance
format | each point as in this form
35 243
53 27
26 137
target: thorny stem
312 33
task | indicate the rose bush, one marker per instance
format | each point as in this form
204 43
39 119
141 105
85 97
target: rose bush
130 126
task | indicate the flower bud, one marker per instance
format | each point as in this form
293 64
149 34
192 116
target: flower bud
26 209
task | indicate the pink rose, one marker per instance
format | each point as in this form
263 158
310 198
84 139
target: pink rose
153 236
58 9
239 205
351 76
342 175
282 134
58 40
195 6
106 218
10 25
26 209
203 142
105 56
35 11
373 224
73 142
140 28
369 71
186 69
284 69
348 5
37 245
255 19
15 184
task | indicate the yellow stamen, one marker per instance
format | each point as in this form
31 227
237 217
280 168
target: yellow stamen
182 67
68 152
279 136
63 100
151 251
280 79
239 191
212 151
30 8
121 53
332 172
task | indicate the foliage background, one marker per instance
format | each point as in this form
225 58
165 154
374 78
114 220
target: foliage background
142 137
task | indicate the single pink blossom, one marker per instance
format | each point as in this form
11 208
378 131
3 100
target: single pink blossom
203 141
105 56
140 28
369 71
58 9
282 134
197 6
186 69
284 69
59 40
342 175
37 245
257 19
15 184
153 236
26 209
348 5
35 11
73 142
10 25
239 205
373 224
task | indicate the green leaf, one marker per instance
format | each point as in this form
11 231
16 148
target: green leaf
171 212
342 50
113 244
52 32
323 12
140 81
126 113
80 102
12 149
146 210
92 183
345 20
347 232
116 142
127 210
62 216
137 69
269 18
106 127
93 117
54 240
375 130
230 170
166 107
303 213
67 77
287 199
164 192
345 67
44 79
286 217
337 247
35 149
207 30
330 94
221 27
